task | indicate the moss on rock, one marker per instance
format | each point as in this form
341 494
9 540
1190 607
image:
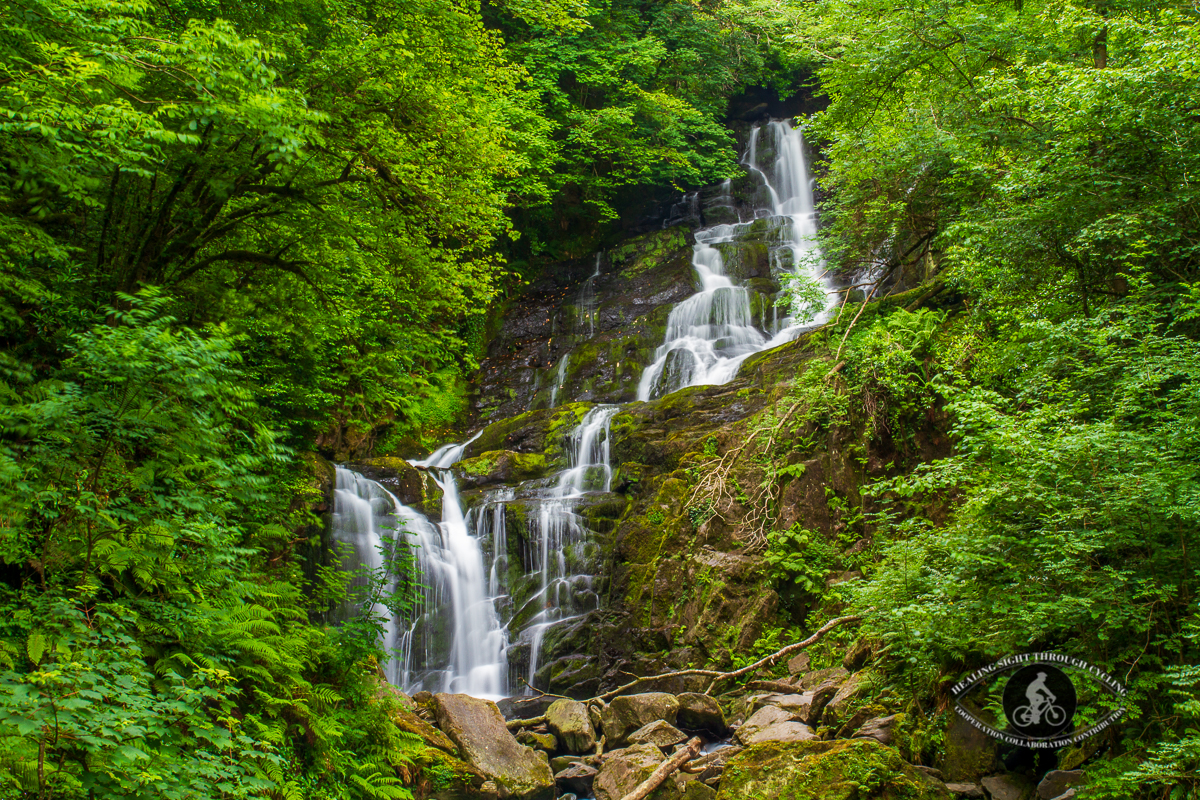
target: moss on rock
501 466
848 769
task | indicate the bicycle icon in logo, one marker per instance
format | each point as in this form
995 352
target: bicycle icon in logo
1040 708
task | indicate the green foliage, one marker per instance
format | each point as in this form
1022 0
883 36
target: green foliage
801 557
1040 149
802 296
1079 483
634 99
893 362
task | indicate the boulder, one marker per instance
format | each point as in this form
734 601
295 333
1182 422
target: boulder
569 721
781 732
798 664
804 707
972 791
538 741
626 714
478 728
770 717
1057 782
837 710
847 769
881 729
699 712
659 733
970 753
524 707
624 769
812 680
577 778
1008 786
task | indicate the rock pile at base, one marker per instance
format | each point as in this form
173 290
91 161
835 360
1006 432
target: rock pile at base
815 736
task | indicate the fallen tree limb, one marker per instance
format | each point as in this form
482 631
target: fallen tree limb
929 295
514 724
718 676
672 764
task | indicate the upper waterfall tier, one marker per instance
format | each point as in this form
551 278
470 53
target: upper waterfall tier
712 332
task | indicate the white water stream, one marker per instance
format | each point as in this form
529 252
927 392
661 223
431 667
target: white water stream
712 332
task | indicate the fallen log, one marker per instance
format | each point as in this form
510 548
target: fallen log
718 676
665 769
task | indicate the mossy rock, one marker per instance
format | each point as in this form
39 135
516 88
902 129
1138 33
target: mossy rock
440 775
394 474
848 769
500 466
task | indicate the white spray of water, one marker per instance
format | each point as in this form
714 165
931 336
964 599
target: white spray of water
712 332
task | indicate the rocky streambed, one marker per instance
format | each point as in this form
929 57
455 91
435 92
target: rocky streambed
810 735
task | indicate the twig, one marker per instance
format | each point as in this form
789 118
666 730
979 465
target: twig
541 693
836 369
672 764
856 316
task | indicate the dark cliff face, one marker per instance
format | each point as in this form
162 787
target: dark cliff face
609 325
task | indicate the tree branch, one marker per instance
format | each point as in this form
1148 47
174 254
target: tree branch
672 764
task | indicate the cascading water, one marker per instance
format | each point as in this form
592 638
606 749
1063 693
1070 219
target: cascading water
363 520
712 332
455 639
563 596
477 611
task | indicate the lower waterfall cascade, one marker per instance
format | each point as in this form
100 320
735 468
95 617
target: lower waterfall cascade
471 630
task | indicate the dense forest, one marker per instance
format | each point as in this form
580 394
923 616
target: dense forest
237 238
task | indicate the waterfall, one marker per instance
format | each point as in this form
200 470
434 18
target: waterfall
712 332
587 300
363 516
563 596
455 639
476 611
560 375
